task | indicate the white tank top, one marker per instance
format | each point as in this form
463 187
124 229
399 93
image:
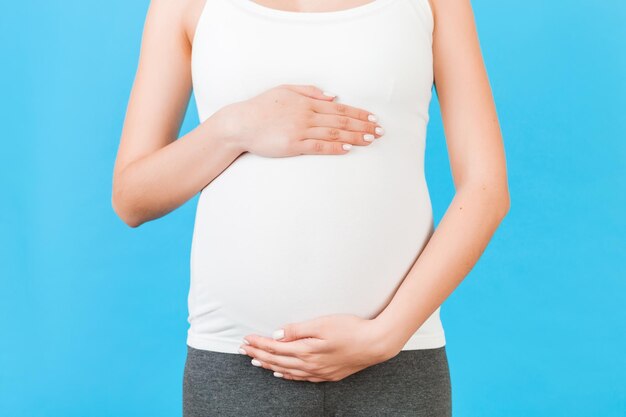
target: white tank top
281 240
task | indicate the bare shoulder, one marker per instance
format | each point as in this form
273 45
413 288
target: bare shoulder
178 16
451 9
462 84
455 39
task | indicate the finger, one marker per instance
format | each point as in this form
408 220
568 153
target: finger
345 123
339 135
285 348
310 379
302 329
283 364
271 359
311 91
291 373
321 147
287 365
343 109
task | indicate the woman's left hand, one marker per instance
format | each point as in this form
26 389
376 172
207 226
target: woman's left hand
327 348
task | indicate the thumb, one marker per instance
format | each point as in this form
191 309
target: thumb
311 91
294 331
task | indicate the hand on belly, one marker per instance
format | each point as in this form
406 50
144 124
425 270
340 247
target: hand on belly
327 348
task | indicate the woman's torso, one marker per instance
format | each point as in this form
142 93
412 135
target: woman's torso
280 240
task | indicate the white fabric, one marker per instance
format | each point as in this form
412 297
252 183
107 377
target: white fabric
279 240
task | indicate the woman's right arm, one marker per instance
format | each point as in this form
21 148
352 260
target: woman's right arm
154 173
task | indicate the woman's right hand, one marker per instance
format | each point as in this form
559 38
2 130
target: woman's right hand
290 120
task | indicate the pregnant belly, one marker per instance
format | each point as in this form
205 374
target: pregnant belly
289 239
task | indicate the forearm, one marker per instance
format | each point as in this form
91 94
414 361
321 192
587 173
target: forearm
158 183
455 246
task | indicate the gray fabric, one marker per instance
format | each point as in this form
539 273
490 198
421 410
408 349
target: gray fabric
412 383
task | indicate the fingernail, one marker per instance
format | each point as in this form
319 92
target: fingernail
368 137
329 94
278 374
372 118
246 342
243 352
280 333
347 146
380 130
255 362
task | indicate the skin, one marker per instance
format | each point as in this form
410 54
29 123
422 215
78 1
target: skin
155 173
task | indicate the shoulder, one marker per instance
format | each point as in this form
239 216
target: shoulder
449 6
178 16
452 15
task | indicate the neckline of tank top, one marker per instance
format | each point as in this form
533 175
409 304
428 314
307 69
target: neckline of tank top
258 8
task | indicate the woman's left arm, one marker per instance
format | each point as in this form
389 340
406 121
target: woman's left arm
334 346
478 166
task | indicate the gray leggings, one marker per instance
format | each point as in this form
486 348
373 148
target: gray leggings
412 383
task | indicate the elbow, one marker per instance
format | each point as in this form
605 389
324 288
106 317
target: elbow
124 208
502 197
125 214
495 195
505 204
498 198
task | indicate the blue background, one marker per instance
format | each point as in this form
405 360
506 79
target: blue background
93 313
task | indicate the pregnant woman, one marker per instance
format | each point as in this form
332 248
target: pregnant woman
317 275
